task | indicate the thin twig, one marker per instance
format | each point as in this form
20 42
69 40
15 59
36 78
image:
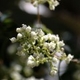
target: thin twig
76 61
38 14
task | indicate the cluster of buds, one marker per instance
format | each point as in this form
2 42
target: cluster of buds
52 3
40 48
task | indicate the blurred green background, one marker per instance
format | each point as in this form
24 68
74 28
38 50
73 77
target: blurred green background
65 21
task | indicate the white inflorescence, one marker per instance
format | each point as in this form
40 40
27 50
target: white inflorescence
52 3
40 48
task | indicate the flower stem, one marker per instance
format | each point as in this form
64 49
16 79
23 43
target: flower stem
38 14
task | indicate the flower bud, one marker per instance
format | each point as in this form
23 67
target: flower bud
28 29
69 58
18 30
53 72
19 35
30 62
13 39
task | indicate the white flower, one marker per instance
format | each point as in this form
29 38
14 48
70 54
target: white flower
45 37
31 61
33 35
13 39
61 43
40 32
57 38
51 46
55 59
52 7
24 26
53 4
30 57
19 36
69 58
55 63
49 36
56 3
53 72
28 29
45 44
40 48
52 37
18 30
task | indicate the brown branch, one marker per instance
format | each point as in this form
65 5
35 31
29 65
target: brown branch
38 14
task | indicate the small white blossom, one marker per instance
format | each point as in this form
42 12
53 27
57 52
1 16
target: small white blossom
69 58
45 44
53 72
13 39
51 46
53 4
18 30
31 62
60 43
52 7
56 3
57 38
19 36
55 59
28 29
40 33
51 37
45 37
30 57
33 35
24 26
55 63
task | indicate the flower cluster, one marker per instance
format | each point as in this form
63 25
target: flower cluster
52 3
40 48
